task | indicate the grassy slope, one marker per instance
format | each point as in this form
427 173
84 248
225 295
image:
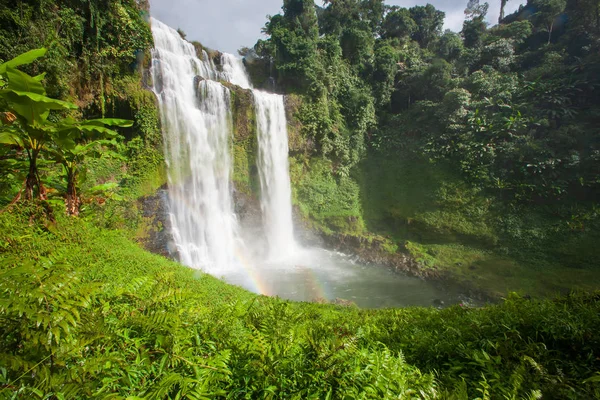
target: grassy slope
148 327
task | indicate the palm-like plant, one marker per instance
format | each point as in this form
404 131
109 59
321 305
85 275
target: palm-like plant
25 121
25 124
83 140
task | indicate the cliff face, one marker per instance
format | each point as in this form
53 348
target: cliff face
318 197
245 173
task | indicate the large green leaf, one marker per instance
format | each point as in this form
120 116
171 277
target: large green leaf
64 141
33 107
11 138
54 103
22 82
98 129
84 131
26 96
40 77
123 123
23 59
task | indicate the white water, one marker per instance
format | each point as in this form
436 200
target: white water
234 71
196 122
273 167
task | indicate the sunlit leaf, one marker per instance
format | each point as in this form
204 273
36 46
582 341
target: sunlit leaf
123 123
23 59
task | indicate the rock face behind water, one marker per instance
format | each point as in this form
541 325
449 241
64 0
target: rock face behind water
159 238
373 252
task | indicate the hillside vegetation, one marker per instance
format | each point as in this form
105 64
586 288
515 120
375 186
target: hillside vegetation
85 313
476 152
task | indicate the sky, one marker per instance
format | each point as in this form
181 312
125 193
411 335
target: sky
228 25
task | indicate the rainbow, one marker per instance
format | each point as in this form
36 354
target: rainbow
319 289
316 288
257 283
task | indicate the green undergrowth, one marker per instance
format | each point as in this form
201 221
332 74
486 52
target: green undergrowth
495 275
86 313
467 236
331 203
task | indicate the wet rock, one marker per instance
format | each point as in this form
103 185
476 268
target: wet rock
343 302
159 237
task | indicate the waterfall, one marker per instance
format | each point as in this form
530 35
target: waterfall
197 129
234 71
196 122
273 166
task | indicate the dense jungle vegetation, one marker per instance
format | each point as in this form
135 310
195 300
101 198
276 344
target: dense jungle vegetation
475 152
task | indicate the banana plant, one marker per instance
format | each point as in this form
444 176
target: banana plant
82 140
25 124
25 121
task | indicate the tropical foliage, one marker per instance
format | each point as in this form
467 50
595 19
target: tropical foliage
85 313
28 128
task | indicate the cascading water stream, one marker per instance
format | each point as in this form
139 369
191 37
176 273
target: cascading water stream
273 167
196 121
197 125
234 71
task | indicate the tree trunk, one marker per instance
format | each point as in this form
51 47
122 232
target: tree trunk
73 201
550 32
32 177
502 5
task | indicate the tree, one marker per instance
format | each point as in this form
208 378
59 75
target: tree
473 31
339 14
547 13
584 16
86 139
502 6
357 46
302 14
384 73
25 99
429 23
293 46
476 10
450 46
372 12
398 23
